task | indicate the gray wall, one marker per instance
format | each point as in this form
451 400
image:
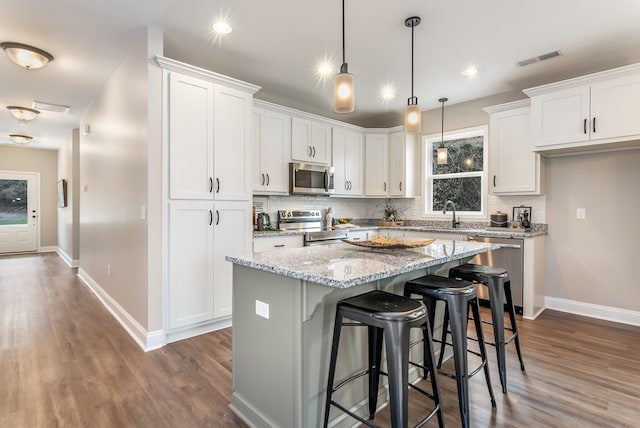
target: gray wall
46 163
113 183
593 260
68 217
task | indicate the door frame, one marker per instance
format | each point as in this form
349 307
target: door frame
37 201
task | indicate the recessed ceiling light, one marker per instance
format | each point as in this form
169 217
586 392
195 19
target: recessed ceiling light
222 27
325 69
388 92
470 71
26 56
20 139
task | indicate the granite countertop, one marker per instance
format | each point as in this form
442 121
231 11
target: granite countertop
343 265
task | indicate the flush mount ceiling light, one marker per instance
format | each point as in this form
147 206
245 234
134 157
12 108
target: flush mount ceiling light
222 27
26 56
343 85
20 139
23 114
442 156
412 115
388 92
470 71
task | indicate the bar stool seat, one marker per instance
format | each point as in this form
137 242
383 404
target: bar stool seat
499 286
387 316
458 296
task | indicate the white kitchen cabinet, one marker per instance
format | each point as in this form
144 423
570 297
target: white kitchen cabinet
597 111
190 136
362 235
348 156
269 243
514 169
402 160
310 141
376 154
232 144
201 234
271 151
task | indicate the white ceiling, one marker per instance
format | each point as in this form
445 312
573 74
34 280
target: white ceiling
278 45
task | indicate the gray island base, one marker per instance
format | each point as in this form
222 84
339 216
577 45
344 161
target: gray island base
283 309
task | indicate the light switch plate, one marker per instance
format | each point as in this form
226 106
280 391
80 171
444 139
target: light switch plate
262 309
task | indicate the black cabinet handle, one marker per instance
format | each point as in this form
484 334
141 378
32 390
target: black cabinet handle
217 185
217 217
210 184
314 152
401 186
350 185
494 181
346 185
278 245
268 179
309 147
384 187
584 126
210 217
594 125
262 179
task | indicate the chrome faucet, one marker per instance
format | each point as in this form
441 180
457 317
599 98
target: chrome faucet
454 223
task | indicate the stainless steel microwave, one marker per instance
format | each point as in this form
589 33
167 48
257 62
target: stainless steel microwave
308 179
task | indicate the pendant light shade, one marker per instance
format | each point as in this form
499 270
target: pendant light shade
343 83
443 156
412 114
26 56
23 114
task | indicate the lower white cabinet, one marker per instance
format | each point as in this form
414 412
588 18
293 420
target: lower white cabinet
201 234
269 243
362 235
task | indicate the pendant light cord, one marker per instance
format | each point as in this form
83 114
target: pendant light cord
442 126
412 27
343 37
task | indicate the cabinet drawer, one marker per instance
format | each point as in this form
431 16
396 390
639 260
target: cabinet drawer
268 243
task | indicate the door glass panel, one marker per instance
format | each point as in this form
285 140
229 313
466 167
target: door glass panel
13 202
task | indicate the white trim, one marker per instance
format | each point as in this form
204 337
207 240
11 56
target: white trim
146 340
48 249
608 313
68 260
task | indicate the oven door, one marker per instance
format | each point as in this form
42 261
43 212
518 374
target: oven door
306 179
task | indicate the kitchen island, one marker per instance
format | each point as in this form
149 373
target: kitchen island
283 309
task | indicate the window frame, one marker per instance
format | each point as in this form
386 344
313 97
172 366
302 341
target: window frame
428 142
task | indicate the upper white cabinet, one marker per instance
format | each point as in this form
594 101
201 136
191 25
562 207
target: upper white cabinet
271 151
348 157
589 112
376 155
310 141
190 133
514 169
402 158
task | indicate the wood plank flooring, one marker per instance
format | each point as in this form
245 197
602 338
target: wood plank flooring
65 362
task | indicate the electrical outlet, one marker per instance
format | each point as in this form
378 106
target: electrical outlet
581 214
262 309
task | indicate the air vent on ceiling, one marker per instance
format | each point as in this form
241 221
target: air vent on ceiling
41 105
539 58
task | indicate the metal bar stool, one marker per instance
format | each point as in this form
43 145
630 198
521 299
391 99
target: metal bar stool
458 296
391 316
497 281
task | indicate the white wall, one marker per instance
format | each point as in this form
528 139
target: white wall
68 217
113 182
46 163
593 260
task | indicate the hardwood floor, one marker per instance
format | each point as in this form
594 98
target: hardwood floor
64 361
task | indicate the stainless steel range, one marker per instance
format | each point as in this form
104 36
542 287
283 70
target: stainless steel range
311 223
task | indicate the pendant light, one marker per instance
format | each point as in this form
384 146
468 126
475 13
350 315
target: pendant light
442 156
23 114
26 56
412 115
343 85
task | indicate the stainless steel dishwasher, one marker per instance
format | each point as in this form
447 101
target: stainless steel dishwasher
509 257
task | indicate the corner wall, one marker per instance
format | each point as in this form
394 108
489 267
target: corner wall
68 217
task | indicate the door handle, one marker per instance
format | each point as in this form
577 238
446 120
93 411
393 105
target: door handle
217 185
494 181
384 186
309 147
262 179
314 152
584 126
268 179
278 245
217 217
210 217
210 184
401 186
594 125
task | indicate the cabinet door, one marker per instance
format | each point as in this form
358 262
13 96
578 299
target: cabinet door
339 160
190 134
190 263
376 164
232 144
561 117
320 142
355 159
615 108
231 235
259 179
301 140
513 167
274 152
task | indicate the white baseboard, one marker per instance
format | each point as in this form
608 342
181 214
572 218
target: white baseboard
49 249
146 340
608 313
68 260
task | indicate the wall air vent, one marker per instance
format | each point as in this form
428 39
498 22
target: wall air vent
539 58
40 105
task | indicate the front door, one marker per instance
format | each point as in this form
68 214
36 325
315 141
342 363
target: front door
18 211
